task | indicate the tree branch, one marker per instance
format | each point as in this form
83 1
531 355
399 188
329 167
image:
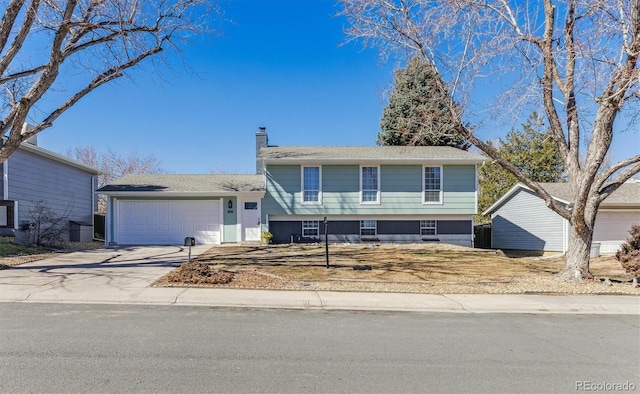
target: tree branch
8 20
20 37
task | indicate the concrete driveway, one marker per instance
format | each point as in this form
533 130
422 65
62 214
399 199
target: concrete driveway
124 270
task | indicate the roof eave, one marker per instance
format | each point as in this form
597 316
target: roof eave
370 160
59 158
512 191
121 193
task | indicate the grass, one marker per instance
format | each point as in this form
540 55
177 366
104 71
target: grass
8 249
392 263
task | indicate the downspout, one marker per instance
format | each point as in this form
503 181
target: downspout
5 180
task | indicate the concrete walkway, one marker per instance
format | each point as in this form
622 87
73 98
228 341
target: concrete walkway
123 275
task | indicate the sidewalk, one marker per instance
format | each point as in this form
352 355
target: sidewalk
113 276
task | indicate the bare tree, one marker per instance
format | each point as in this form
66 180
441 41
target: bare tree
113 166
575 59
96 41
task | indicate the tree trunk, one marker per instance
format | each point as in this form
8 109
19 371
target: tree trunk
576 267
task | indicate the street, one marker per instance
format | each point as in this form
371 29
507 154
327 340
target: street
135 348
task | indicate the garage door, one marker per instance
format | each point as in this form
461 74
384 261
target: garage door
612 228
168 222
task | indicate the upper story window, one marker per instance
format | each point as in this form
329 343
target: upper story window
369 184
311 181
432 183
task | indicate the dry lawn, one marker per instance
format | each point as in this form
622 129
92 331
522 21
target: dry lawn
415 268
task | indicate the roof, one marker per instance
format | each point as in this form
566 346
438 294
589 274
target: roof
204 184
273 154
627 195
29 147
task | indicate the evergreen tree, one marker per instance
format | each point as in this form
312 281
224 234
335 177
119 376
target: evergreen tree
532 150
417 112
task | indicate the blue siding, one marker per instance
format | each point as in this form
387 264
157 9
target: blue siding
400 191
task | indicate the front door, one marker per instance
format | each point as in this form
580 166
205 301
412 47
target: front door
250 221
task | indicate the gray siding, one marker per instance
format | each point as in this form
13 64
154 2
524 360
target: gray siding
454 227
64 189
524 222
284 230
400 191
398 227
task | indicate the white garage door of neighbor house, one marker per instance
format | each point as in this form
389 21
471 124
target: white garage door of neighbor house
168 222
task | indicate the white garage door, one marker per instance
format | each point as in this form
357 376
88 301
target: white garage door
612 228
168 222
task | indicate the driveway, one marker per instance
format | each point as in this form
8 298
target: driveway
98 272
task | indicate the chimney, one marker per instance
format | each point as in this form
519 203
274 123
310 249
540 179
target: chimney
262 141
33 140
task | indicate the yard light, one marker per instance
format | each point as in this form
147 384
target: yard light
326 240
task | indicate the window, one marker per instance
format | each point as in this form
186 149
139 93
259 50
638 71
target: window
369 185
427 227
311 185
251 205
367 227
432 185
310 228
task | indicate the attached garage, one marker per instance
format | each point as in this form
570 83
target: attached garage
164 209
168 222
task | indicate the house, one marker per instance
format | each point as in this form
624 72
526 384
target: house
399 194
35 176
377 193
521 220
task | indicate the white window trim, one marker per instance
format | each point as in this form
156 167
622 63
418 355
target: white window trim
377 202
441 195
317 227
375 228
319 202
435 227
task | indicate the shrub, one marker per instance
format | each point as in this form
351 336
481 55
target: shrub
629 254
198 273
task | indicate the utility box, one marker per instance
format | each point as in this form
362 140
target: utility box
80 231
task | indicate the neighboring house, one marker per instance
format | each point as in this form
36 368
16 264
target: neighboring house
401 194
521 220
33 175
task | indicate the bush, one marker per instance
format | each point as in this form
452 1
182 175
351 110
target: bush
198 273
46 227
629 254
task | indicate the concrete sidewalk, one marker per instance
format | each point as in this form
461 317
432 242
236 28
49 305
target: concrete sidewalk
123 275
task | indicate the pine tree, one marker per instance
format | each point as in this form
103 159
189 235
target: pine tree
417 113
532 150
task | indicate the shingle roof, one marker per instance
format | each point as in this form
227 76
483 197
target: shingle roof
359 153
627 193
187 183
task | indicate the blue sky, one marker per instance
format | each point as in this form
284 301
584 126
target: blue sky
278 64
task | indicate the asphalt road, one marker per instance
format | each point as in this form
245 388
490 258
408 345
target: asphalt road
132 348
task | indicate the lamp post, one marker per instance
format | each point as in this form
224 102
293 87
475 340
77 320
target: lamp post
326 240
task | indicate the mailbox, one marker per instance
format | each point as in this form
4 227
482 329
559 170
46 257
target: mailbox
189 241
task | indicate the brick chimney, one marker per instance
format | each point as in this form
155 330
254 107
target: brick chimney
262 141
